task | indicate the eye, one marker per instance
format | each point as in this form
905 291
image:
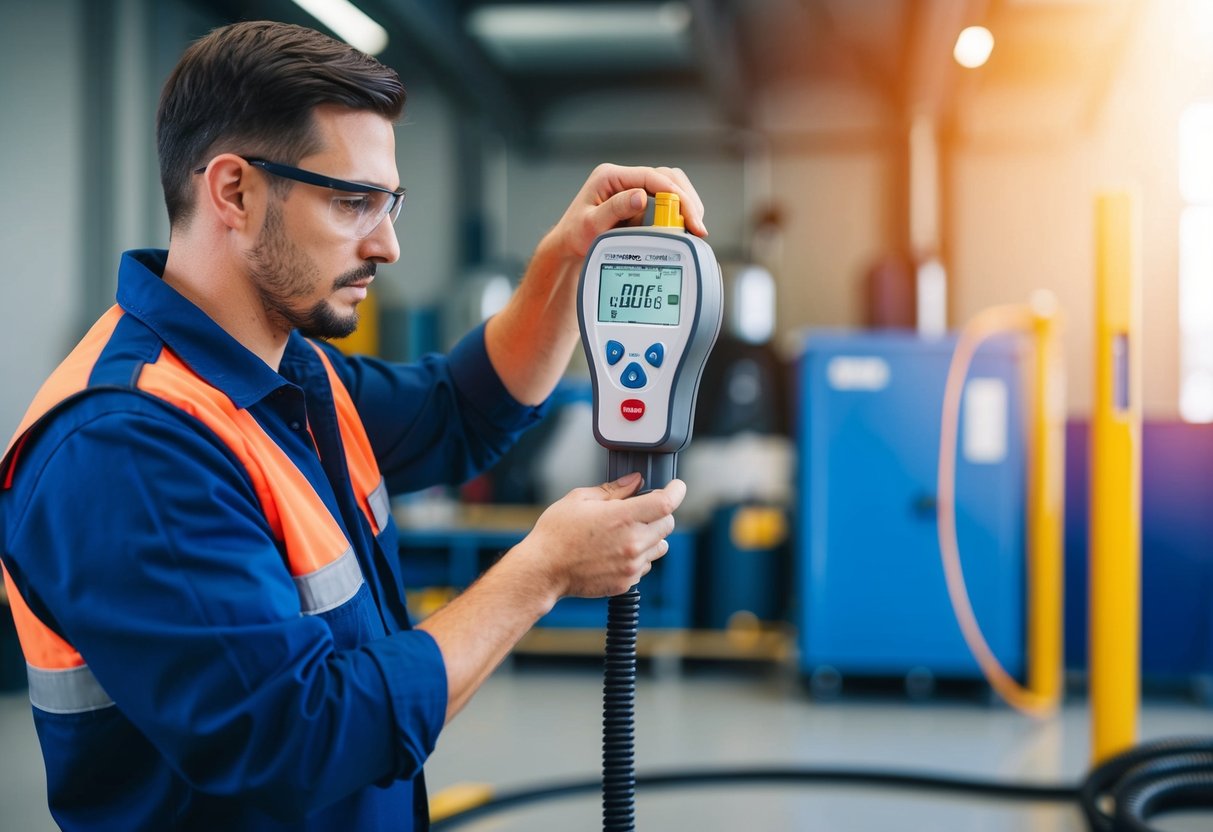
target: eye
353 205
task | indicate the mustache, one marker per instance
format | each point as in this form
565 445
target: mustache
355 276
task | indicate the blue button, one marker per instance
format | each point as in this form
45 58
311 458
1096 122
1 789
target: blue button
633 377
614 351
655 355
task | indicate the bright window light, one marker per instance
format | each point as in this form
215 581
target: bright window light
1196 153
1195 30
1196 263
1196 313
754 305
973 47
349 22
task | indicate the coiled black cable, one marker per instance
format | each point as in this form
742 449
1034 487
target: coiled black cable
1120 795
1123 793
619 713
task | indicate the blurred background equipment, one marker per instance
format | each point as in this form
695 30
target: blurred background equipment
871 595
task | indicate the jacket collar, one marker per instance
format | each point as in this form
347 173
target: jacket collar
207 348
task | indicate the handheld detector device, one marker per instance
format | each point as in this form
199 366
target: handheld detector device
650 309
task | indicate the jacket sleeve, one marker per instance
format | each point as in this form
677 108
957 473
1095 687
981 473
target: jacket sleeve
440 420
144 539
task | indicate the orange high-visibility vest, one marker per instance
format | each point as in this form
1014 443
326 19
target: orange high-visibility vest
320 559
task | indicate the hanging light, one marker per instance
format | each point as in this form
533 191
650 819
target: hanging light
349 22
973 47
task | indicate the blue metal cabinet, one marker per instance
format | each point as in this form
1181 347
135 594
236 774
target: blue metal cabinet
872 600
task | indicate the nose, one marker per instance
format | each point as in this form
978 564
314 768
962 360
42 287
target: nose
381 245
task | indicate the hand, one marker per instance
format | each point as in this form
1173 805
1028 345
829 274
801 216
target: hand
615 195
529 342
594 542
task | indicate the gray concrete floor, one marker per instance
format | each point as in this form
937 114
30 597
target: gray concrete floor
530 725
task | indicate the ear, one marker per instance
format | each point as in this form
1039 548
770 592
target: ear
231 190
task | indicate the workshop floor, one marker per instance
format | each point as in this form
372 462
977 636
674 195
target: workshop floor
535 724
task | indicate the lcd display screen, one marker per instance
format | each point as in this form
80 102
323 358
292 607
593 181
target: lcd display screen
639 294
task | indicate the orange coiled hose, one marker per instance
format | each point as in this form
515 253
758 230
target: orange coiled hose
1043 694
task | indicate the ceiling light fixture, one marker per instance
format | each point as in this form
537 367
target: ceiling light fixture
973 47
349 22
529 34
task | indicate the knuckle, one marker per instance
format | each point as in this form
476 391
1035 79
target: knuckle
665 505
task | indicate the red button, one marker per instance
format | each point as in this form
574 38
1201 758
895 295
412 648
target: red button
632 409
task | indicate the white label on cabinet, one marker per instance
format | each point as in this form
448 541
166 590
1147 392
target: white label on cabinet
857 372
984 433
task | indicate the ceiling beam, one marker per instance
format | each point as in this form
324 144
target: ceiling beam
434 30
719 60
930 70
1104 74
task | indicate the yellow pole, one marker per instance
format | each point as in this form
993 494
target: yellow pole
1115 556
365 339
1045 514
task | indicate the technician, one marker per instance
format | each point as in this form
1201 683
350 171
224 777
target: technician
194 516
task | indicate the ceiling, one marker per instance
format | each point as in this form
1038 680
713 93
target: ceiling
514 61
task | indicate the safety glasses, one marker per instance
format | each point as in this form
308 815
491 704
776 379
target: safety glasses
357 208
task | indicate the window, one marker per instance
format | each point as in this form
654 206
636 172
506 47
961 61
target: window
1196 263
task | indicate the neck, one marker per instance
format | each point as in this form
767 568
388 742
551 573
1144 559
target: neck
216 281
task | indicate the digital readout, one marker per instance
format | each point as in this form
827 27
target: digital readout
639 295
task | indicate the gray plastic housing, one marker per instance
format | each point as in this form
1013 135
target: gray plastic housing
670 396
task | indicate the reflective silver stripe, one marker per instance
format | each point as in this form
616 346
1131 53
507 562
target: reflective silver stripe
71 691
381 505
329 586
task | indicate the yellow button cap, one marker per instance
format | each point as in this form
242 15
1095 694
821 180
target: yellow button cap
667 211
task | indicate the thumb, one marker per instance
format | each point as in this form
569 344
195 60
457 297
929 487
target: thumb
623 487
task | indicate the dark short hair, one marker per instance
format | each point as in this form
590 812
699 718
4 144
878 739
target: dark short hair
251 88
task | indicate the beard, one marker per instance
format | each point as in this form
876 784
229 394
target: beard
283 276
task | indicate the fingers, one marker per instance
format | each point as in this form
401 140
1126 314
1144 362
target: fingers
615 180
594 542
621 488
692 205
656 553
660 503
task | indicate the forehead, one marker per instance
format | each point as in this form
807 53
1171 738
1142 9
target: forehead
356 145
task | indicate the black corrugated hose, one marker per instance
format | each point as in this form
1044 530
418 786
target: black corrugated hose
619 713
1121 795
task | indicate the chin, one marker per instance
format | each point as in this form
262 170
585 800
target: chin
324 321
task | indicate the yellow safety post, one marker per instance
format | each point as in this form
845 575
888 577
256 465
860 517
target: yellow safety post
1115 515
365 339
1046 486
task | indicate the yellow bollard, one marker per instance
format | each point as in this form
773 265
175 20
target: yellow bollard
1115 514
1046 488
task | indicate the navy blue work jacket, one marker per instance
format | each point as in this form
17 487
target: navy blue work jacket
137 539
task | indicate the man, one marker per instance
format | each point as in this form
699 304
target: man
196 538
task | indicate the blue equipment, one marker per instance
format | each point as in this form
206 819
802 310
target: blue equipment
872 596
1176 559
